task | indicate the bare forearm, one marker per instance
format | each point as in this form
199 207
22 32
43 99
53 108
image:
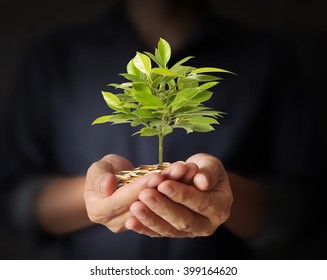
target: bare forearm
248 213
60 207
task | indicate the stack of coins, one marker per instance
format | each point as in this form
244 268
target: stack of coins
128 176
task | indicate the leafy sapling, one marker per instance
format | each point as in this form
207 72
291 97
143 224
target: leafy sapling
161 99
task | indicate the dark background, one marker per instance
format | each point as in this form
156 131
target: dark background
303 24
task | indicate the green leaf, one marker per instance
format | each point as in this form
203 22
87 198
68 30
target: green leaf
148 100
132 77
210 69
202 96
181 61
164 72
202 120
166 129
121 86
161 126
163 81
122 118
182 97
141 88
124 97
195 126
197 111
182 70
164 51
185 82
203 127
138 122
154 58
142 62
187 109
112 100
146 131
207 85
143 113
117 119
129 105
187 127
157 81
157 123
131 69
102 119
204 78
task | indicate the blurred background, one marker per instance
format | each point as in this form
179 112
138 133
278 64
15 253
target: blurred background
301 23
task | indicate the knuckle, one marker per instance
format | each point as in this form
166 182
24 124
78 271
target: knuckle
208 232
184 195
220 218
170 233
186 224
205 206
115 229
94 215
224 216
150 223
94 218
101 220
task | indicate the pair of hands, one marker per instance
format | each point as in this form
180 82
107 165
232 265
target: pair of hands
187 199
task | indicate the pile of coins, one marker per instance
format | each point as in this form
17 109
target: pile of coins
128 176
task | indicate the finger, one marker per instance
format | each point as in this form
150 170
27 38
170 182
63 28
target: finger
192 171
98 179
211 171
181 171
114 210
135 225
127 194
120 201
215 204
149 223
134 222
108 185
198 201
117 163
177 215
116 224
175 171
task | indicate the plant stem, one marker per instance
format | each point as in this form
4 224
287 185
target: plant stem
161 136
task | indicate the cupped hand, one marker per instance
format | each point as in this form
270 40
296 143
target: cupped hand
194 200
107 205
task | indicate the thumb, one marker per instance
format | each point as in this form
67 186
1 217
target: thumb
100 178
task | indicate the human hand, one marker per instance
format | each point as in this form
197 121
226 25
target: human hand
194 200
107 205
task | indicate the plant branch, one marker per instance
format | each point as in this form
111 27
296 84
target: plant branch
160 158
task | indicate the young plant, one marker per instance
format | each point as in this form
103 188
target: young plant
161 99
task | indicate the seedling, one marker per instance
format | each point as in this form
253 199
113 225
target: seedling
161 99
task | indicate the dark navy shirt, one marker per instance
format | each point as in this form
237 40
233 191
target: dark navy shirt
264 134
